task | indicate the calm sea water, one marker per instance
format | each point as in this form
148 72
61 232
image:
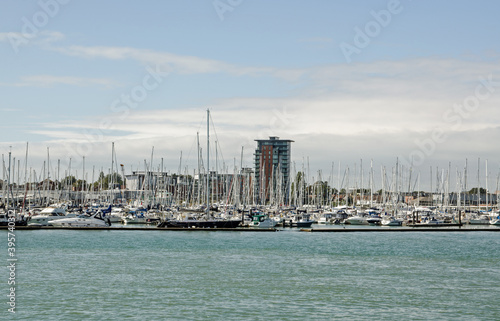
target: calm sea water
287 275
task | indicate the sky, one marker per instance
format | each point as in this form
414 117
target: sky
352 83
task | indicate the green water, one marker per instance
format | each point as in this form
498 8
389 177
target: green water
288 275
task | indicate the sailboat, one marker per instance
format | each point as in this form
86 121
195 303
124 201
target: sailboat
207 220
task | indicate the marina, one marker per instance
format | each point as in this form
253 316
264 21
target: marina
272 194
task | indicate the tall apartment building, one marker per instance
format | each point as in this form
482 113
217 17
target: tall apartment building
272 169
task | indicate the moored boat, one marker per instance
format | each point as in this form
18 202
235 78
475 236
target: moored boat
480 220
50 213
216 223
262 221
392 221
4 219
356 220
95 220
374 220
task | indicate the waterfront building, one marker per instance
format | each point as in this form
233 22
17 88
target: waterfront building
272 170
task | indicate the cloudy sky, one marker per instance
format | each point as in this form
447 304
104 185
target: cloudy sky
348 81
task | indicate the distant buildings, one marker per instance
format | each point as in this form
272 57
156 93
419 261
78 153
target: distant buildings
272 169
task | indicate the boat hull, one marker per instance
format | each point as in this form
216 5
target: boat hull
201 224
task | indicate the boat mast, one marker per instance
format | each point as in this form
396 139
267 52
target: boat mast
47 186
371 183
478 188
8 181
208 161
25 178
83 181
486 188
111 179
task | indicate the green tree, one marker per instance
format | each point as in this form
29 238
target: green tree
474 190
79 185
105 181
68 180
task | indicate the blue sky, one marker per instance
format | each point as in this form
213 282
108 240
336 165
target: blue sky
265 68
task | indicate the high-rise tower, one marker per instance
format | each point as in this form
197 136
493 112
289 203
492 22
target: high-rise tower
272 169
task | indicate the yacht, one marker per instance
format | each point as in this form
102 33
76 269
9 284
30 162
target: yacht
434 221
48 214
117 214
4 219
481 220
356 220
262 221
374 220
303 220
194 221
95 220
326 218
392 221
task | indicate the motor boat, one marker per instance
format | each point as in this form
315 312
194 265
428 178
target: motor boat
262 221
14 219
480 220
50 213
356 220
392 221
94 220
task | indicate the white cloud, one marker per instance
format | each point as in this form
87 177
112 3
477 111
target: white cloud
44 38
178 63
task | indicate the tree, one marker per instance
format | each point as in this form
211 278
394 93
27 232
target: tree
68 180
474 190
105 181
80 184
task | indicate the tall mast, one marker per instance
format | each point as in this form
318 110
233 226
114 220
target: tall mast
478 187
8 180
486 187
111 180
217 172
25 177
371 183
48 178
208 160
83 182
199 169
